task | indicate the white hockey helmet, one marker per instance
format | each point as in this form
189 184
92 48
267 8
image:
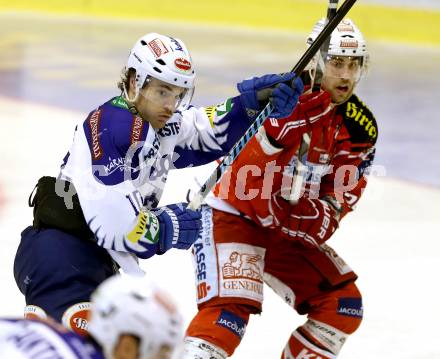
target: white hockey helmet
9 350
346 40
132 305
164 58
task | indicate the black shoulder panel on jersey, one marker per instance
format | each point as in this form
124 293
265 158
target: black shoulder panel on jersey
359 121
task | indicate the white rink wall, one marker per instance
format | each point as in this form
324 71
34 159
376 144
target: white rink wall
425 4
391 241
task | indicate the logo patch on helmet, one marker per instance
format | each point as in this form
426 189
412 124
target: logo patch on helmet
345 26
175 42
349 43
182 64
157 47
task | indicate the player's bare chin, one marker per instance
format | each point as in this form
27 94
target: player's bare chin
127 348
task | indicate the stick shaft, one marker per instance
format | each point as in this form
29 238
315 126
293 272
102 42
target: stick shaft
331 12
332 8
301 169
325 33
229 158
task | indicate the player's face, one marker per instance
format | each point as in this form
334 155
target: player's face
158 101
127 347
165 352
340 77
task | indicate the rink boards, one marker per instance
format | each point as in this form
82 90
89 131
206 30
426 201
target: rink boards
399 21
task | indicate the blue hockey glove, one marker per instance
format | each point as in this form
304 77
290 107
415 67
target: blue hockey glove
280 90
179 227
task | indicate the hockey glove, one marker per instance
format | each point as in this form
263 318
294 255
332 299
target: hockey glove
179 227
157 231
312 221
312 109
280 90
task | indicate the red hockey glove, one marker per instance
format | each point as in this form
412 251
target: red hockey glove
310 110
311 221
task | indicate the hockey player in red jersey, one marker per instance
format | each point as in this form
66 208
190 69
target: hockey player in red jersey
276 207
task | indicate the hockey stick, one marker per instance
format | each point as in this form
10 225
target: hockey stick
265 113
301 168
331 12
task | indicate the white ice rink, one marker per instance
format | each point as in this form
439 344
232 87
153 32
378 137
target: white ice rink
391 241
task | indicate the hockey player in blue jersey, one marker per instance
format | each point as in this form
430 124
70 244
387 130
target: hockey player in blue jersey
101 212
131 318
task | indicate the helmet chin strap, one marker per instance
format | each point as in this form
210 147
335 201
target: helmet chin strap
127 97
130 101
312 69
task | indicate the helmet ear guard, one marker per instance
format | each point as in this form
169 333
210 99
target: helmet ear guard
164 58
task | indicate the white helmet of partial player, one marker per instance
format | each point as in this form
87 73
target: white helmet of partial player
129 305
346 40
164 58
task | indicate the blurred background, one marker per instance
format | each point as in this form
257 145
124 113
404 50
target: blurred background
60 59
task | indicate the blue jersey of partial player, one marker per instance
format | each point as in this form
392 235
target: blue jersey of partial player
35 339
118 163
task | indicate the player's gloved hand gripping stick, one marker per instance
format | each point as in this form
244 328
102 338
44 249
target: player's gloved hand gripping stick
266 112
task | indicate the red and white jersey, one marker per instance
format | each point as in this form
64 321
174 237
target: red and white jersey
341 149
